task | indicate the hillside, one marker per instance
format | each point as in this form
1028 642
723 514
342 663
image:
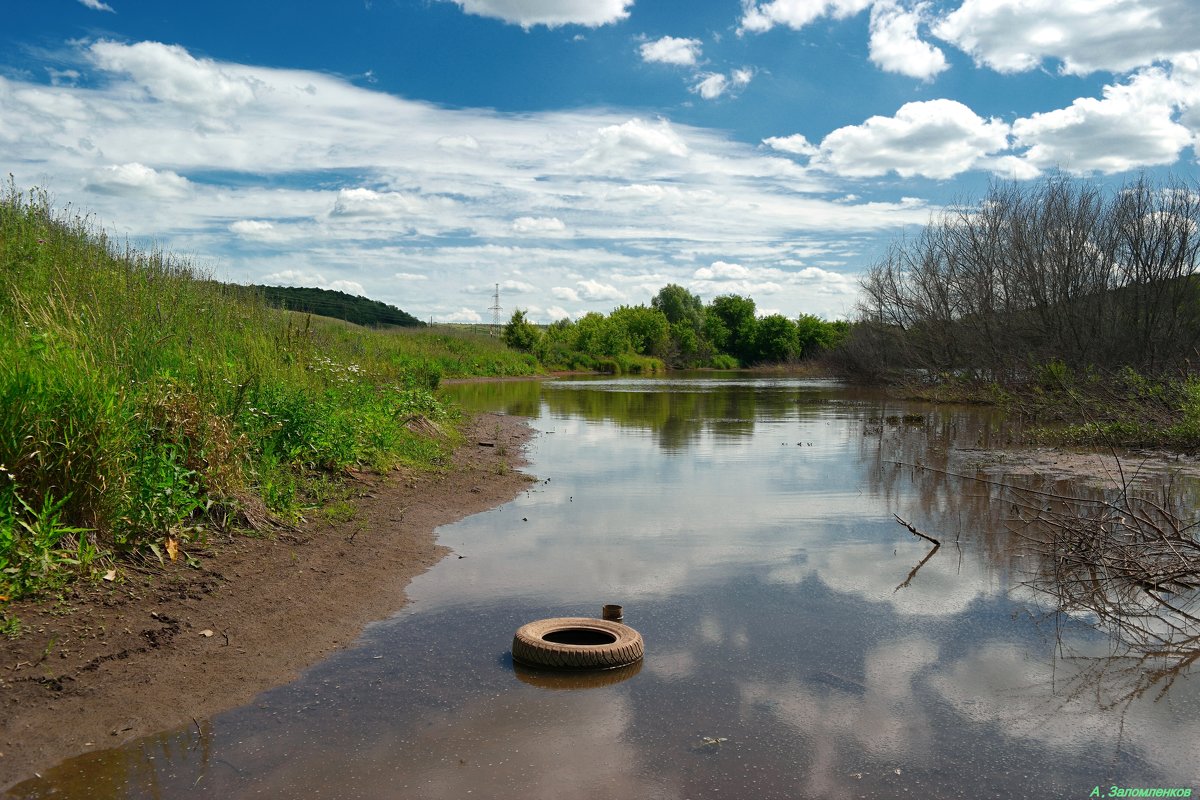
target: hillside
339 305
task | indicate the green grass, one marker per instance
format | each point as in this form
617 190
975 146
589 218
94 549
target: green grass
141 401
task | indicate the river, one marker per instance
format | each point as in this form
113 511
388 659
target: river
800 641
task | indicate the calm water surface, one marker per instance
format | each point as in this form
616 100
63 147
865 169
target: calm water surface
747 527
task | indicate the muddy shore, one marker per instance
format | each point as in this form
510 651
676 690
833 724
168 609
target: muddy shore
157 649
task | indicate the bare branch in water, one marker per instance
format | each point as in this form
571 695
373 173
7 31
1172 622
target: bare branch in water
916 532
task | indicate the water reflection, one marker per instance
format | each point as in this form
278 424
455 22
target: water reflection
748 531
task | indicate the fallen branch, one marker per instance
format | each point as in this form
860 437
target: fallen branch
916 532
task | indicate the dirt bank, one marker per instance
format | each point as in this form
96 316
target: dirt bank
158 649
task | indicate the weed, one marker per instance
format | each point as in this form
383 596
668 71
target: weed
143 400
339 512
10 627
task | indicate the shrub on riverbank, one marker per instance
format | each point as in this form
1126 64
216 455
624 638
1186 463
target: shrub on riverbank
1057 271
144 405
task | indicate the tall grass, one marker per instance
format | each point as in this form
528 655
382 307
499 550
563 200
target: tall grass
142 402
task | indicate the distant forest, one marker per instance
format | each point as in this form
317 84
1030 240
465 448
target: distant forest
339 305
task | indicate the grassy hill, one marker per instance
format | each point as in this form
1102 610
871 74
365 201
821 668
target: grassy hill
339 305
145 406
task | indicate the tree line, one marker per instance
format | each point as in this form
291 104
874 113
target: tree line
677 330
331 303
1059 271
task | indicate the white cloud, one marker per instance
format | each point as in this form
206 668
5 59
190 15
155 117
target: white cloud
642 202
795 144
410 276
463 314
360 202
135 178
465 142
349 287
671 50
932 138
565 293
617 147
760 17
551 13
711 85
170 74
1133 125
594 290
517 286
895 45
96 5
538 225
294 277
1085 35
254 229
722 270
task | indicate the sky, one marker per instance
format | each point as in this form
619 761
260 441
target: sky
579 154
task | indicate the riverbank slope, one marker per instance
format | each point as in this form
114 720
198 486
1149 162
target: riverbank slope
157 649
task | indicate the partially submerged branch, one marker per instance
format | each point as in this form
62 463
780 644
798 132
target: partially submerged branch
915 532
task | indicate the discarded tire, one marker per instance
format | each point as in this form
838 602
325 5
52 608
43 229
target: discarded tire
574 679
577 643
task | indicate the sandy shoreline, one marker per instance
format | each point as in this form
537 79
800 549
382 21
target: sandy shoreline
112 663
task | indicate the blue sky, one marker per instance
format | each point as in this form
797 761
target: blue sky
580 153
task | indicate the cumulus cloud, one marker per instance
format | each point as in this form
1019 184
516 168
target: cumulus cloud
615 147
565 293
895 45
516 286
360 202
551 13
932 138
256 229
349 287
135 178
795 144
1085 36
463 314
594 290
1133 125
96 5
465 142
795 14
295 277
721 270
711 85
671 50
323 193
172 75
538 225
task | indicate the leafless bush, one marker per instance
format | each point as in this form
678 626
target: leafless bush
1130 567
1057 270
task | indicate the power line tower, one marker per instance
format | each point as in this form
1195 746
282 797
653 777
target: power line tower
495 309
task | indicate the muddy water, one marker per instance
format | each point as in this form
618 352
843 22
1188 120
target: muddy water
746 525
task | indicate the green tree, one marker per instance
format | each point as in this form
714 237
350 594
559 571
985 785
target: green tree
556 348
520 334
817 336
688 345
738 326
678 305
597 336
646 329
777 339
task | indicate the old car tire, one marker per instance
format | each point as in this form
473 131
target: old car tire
577 643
